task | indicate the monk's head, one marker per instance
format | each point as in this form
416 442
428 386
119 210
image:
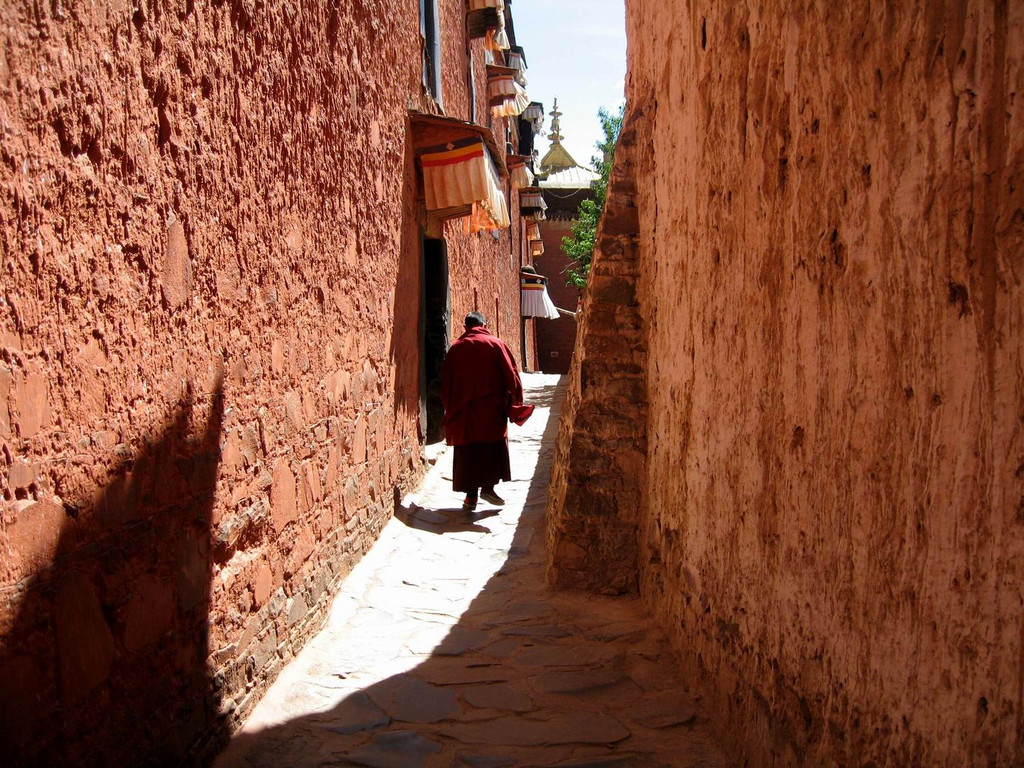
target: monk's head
475 320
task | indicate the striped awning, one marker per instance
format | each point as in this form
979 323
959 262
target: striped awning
462 173
535 299
532 230
519 172
506 96
536 248
531 200
479 5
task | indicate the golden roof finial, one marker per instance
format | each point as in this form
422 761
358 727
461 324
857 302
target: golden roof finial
555 135
558 157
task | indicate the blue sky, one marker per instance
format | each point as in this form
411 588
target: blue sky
576 51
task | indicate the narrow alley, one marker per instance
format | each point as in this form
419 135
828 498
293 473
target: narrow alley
771 516
444 647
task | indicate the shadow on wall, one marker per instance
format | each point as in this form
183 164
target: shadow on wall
104 644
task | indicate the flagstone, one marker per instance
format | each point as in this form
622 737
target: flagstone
576 680
396 599
527 610
355 713
651 675
664 710
483 761
562 728
457 671
461 640
616 761
568 655
503 648
397 749
412 700
497 696
537 630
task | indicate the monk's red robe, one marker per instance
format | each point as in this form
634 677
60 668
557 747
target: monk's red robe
478 378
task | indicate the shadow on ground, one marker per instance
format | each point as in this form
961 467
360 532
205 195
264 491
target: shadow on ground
526 677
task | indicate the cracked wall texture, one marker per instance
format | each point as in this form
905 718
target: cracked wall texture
209 382
831 234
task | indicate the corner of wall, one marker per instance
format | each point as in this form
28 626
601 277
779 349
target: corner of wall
596 488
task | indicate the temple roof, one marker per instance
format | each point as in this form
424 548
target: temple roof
569 178
558 169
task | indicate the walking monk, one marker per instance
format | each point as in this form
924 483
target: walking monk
479 381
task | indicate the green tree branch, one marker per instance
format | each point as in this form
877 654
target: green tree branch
579 246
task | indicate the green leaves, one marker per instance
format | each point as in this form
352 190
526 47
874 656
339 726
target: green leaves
580 245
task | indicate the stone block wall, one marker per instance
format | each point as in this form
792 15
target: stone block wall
594 505
209 348
830 282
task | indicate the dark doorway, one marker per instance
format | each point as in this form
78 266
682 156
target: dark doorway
435 325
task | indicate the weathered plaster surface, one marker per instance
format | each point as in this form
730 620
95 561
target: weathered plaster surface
831 240
595 502
209 382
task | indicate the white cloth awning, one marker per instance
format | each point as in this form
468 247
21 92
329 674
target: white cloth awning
513 105
515 61
521 176
532 199
501 85
536 302
462 174
506 96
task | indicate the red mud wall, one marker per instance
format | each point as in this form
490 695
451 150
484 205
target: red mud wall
832 259
831 229
209 347
556 338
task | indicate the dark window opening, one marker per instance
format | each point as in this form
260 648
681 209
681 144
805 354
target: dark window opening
431 32
525 137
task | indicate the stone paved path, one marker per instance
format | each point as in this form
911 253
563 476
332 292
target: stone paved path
445 648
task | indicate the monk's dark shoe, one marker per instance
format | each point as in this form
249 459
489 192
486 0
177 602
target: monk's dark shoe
492 498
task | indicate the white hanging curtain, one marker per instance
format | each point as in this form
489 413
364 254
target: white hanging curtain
501 85
514 105
520 174
507 97
460 174
535 114
515 61
536 302
531 200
